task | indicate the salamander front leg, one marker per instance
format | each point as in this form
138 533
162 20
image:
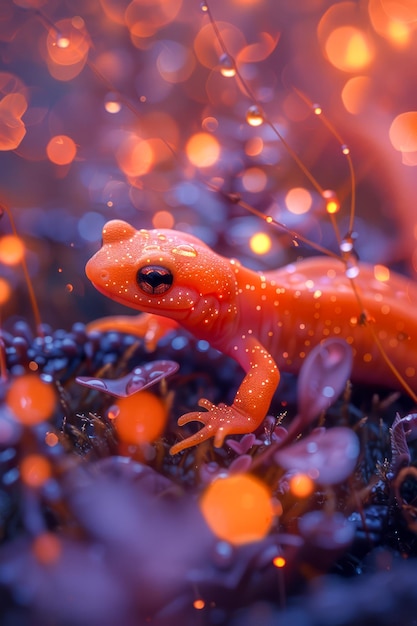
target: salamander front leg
249 407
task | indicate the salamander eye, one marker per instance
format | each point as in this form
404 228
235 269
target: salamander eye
154 279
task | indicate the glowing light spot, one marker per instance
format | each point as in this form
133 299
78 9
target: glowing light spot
355 94
254 179
298 200
199 604
349 49
403 132
35 470
301 485
279 561
367 357
381 273
141 418
46 548
393 20
135 156
255 116
30 399
202 149
12 250
254 146
67 45
5 291
69 288
317 110
332 202
260 243
163 219
51 439
238 508
61 150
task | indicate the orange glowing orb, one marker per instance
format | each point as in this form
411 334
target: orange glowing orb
301 485
30 399
5 291
238 508
141 418
61 150
349 49
47 548
202 149
35 470
12 250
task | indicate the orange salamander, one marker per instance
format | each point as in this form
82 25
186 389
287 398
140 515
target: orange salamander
267 321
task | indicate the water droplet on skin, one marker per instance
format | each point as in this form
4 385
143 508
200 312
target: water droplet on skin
185 250
254 116
227 66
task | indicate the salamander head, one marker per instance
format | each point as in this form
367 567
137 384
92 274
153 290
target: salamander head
159 271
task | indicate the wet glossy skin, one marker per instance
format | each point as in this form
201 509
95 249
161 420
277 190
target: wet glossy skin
266 321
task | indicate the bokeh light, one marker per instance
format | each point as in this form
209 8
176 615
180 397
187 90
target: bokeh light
30 399
12 128
203 150
355 94
135 155
260 243
61 150
238 508
349 49
301 485
298 200
12 250
5 291
381 273
254 179
141 418
46 548
403 132
35 470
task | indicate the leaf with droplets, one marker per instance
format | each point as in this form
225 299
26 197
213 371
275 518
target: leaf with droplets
323 377
138 379
327 456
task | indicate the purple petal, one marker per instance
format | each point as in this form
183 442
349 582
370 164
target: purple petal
241 464
327 456
138 379
329 531
323 377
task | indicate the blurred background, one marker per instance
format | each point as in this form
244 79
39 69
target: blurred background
130 109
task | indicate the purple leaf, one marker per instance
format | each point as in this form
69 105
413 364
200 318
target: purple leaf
323 377
241 464
327 456
139 378
242 446
329 531
403 429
